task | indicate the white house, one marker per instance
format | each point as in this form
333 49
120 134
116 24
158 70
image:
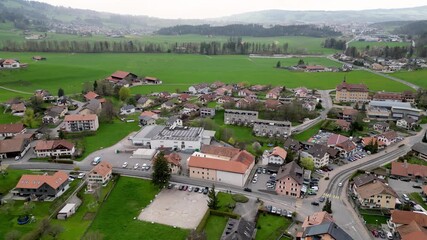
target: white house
101 173
406 123
11 63
77 123
54 148
202 88
128 109
277 156
388 137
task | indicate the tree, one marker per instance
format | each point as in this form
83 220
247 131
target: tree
319 106
161 171
290 156
124 93
60 92
29 119
301 62
213 201
95 85
37 103
93 235
278 64
307 163
328 206
13 235
107 112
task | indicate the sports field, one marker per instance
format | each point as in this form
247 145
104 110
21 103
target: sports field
70 71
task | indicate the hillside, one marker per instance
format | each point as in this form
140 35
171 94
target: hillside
413 28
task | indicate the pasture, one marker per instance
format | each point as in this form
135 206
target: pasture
70 71
416 77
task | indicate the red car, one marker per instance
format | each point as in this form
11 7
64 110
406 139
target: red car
375 233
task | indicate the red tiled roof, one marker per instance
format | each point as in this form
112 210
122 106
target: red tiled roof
220 151
11 128
150 79
174 159
12 145
343 123
53 144
352 87
278 151
347 146
120 74
350 112
406 217
406 169
20 107
103 168
335 139
216 164
91 95
390 135
35 181
77 117
148 114
9 61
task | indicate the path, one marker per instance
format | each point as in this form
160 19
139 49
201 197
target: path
17 91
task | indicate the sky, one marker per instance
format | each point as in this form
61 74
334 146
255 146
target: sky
218 8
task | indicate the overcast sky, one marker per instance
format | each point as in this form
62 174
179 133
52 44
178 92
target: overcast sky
219 8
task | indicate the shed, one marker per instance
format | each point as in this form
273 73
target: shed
144 153
68 210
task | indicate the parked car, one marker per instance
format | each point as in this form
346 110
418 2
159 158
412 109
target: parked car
279 211
405 197
185 188
190 189
321 199
136 166
375 233
81 175
416 186
289 214
315 203
273 210
181 187
196 189
247 189
170 186
206 190
201 190
382 234
125 165
268 208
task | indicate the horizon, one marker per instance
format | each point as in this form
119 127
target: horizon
196 9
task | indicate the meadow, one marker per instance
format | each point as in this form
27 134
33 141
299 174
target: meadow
418 77
70 71
362 45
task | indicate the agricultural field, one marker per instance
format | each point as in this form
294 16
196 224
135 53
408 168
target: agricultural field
416 77
363 45
70 71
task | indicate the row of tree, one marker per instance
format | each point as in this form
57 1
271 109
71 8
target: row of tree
385 52
335 43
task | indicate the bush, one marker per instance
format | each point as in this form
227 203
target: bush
202 223
240 198
224 214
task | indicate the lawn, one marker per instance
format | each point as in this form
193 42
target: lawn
215 226
115 219
70 71
271 226
10 180
307 134
418 199
107 135
372 219
240 133
7 117
362 45
416 77
225 200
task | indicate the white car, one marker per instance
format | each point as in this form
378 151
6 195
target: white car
136 166
190 189
81 175
340 184
125 164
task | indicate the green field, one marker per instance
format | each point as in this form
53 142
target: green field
271 226
307 134
115 219
70 71
362 45
215 226
7 117
416 77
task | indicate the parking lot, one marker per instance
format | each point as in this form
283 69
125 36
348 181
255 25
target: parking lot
401 187
176 208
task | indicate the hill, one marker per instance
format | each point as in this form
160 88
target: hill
413 28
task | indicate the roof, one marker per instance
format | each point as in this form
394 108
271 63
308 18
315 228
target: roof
67 208
12 145
35 181
352 87
11 128
150 78
342 123
389 104
57 109
386 95
350 112
293 144
272 103
406 217
335 139
220 151
347 146
278 151
382 124
145 118
120 74
406 169
317 218
216 164
128 107
93 105
171 120
390 135
238 229
327 228
77 117
318 151
292 170
420 148
103 168
20 107
91 95
191 106
174 159
412 231
364 179
371 189
53 144
418 235
425 189
148 113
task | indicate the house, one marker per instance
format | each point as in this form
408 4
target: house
408 170
42 186
206 98
319 154
412 231
174 161
381 126
274 93
44 95
121 76
335 139
258 88
54 148
174 121
151 114
127 109
144 102
292 144
247 93
100 174
18 109
11 63
385 96
407 123
372 140
152 80
221 164
327 230
343 124
376 195
272 104
225 99
289 180
10 130
309 106
317 218
202 88
91 95
349 114
217 84
93 106
301 92
399 219
362 180
276 156
238 229
378 67
346 92
146 120
178 138
165 95
168 105
420 150
39 58
408 96
190 108
207 112
78 123
314 68
245 102
15 147
50 117
347 148
388 137
224 91
184 97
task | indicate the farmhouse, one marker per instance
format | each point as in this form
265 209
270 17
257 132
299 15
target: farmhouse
178 138
221 164
152 80
346 92
289 180
10 130
18 109
10 63
42 186
15 147
118 76
54 148
78 123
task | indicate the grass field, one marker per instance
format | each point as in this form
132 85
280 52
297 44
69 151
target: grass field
307 134
240 133
215 226
115 219
362 45
70 71
372 219
271 226
416 77
7 117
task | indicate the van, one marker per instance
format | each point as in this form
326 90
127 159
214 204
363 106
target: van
96 161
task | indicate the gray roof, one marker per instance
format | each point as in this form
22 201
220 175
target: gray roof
158 132
93 105
291 169
238 230
145 118
420 147
171 120
389 104
149 131
364 179
330 228
293 144
128 107
142 100
318 151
